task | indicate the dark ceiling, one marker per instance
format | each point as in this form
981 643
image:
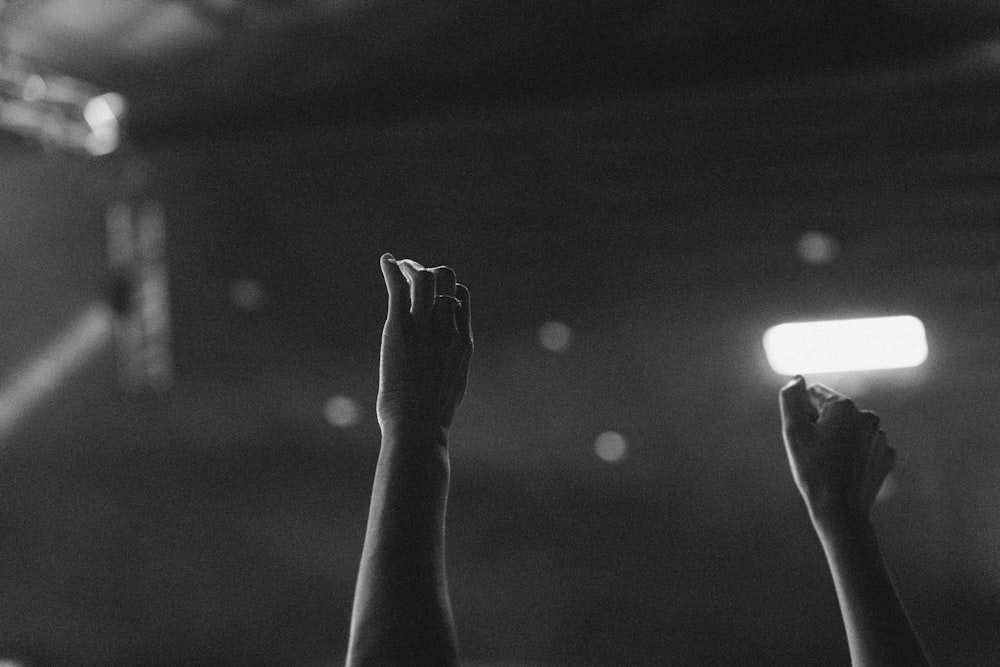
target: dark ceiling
189 65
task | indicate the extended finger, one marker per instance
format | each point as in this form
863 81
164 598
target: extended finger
463 317
797 411
445 301
421 288
410 268
444 278
395 285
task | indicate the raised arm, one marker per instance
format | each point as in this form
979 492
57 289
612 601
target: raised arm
402 614
839 459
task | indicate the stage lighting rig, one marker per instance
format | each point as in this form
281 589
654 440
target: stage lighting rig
57 110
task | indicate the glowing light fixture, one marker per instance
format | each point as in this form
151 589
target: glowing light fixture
817 248
247 294
835 346
342 412
610 447
555 336
103 114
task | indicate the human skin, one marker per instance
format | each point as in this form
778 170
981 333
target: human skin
839 459
402 613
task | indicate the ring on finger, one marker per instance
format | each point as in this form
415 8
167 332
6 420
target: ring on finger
458 302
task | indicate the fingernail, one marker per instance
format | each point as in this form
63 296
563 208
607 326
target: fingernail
794 382
389 258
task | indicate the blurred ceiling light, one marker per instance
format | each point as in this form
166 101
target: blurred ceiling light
247 294
59 111
555 336
137 245
817 248
610 447
984 54
846 345
342 412
53 365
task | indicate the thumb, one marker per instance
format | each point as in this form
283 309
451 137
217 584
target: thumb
396 286
797 410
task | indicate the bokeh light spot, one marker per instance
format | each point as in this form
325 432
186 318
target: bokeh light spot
555 336
610 447
817 248
342 412
247 294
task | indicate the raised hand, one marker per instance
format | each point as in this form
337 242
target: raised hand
839 459
426 345
402 613
838 455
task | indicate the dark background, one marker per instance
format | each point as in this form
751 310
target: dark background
639 172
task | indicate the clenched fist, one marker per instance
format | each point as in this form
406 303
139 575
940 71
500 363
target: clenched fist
838 455
426 346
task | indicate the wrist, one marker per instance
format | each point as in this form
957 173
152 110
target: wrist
410 428
840 521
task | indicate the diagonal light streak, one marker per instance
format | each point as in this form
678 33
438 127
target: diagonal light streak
56 362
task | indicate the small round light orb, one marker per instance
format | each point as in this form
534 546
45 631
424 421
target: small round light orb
247 294
33 90
555 336
817 248
342 412
610 447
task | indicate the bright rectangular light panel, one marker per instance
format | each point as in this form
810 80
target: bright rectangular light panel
836 346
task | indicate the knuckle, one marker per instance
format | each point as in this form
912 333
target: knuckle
869 418
842 407
445 271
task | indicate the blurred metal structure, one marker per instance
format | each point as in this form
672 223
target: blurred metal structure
136 235
190 66
57 110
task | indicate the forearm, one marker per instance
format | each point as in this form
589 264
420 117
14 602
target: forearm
401 610
878 631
